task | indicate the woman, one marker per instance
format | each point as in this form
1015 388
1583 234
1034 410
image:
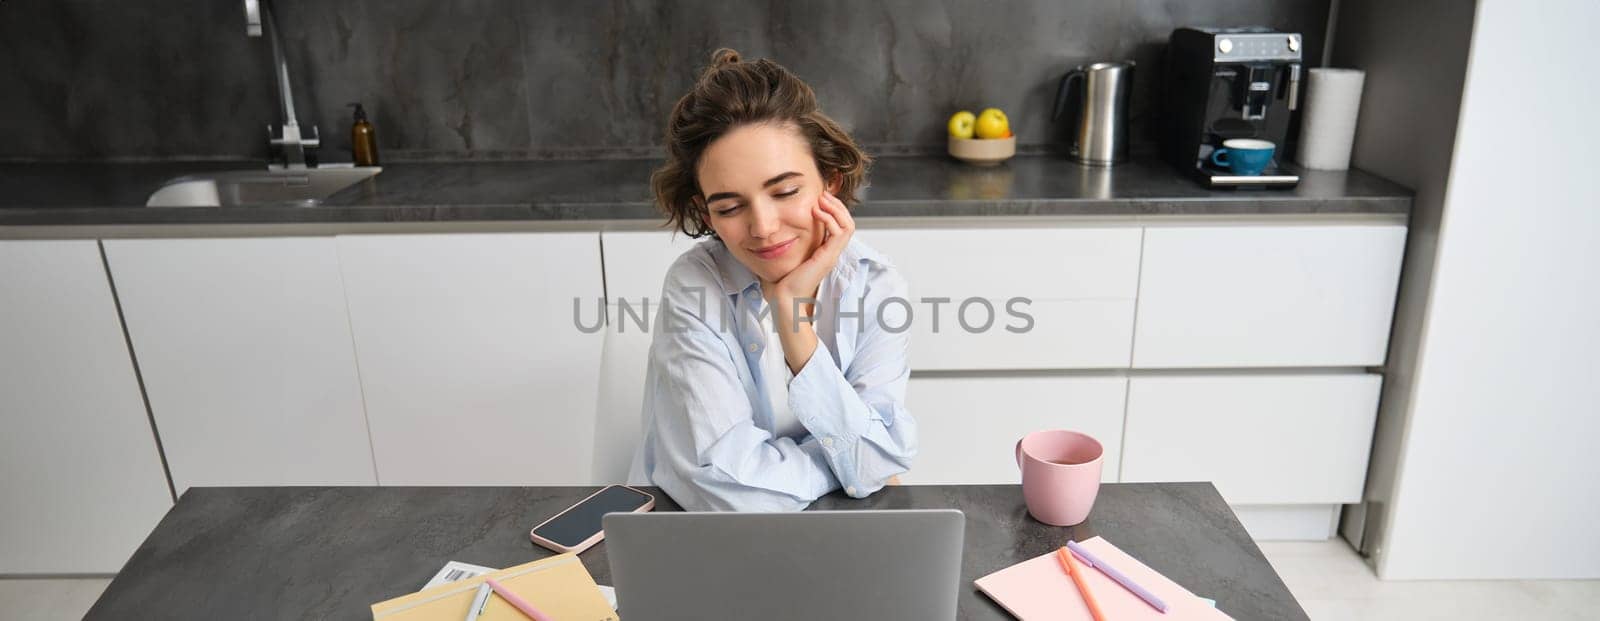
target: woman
772 378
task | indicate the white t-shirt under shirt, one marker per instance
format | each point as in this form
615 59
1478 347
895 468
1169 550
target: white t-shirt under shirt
775 374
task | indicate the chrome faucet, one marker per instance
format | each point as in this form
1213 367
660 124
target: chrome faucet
259 20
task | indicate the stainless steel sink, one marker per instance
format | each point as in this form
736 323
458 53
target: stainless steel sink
272 186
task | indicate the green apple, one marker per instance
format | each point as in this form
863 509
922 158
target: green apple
962 124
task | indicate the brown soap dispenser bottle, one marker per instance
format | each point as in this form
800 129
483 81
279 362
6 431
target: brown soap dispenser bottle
363 140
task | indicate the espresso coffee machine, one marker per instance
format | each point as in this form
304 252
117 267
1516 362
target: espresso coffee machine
1224 83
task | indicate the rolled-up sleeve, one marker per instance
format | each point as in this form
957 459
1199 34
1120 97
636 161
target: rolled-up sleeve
709 455
858 415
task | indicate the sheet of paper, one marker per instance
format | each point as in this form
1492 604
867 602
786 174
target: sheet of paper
456 570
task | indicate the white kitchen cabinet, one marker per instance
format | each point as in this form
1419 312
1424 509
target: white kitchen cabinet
245 349
81 482
1044 263
1044 334
968 427
1267 296
472 363
1262 439
637 262
1080 284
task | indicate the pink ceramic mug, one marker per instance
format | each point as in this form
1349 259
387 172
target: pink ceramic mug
1060 475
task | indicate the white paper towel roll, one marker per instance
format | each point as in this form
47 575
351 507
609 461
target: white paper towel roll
1333 98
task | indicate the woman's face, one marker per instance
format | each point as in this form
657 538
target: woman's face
759 185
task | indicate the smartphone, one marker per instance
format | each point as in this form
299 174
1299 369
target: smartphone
578 527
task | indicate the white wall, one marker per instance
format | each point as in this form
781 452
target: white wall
1499 475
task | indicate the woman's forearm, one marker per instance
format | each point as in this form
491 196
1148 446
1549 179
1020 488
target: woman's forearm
864 430
793 318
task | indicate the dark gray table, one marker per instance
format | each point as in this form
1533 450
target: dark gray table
330 552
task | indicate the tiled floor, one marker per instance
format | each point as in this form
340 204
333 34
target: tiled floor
1327 577
1333 584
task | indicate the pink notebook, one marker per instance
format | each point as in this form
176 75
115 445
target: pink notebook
1039 589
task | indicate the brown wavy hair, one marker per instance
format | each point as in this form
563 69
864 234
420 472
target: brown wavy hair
731 93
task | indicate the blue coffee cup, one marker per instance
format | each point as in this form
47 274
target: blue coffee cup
1244 156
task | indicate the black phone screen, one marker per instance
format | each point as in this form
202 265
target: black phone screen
582 521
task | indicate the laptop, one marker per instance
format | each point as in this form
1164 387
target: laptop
806 566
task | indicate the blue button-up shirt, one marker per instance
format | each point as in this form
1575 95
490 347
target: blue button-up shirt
709 436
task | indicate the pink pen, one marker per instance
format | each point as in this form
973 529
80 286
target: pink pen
518 602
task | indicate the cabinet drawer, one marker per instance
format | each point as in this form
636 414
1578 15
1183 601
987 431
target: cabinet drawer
1261 296
968 427
1062 334
1081 284
999 264
1262 439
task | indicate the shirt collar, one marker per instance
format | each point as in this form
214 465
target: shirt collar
735 277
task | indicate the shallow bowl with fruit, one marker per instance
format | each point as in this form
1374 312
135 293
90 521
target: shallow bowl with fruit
983 139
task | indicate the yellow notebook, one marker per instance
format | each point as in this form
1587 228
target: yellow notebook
558 586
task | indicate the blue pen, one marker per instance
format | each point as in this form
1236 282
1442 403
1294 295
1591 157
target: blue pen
1111 572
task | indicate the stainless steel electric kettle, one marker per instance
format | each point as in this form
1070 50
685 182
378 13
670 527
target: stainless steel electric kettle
1098 111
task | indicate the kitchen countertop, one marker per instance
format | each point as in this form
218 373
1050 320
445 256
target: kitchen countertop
331 552
618 191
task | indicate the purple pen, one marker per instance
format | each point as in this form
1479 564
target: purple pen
1126 582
